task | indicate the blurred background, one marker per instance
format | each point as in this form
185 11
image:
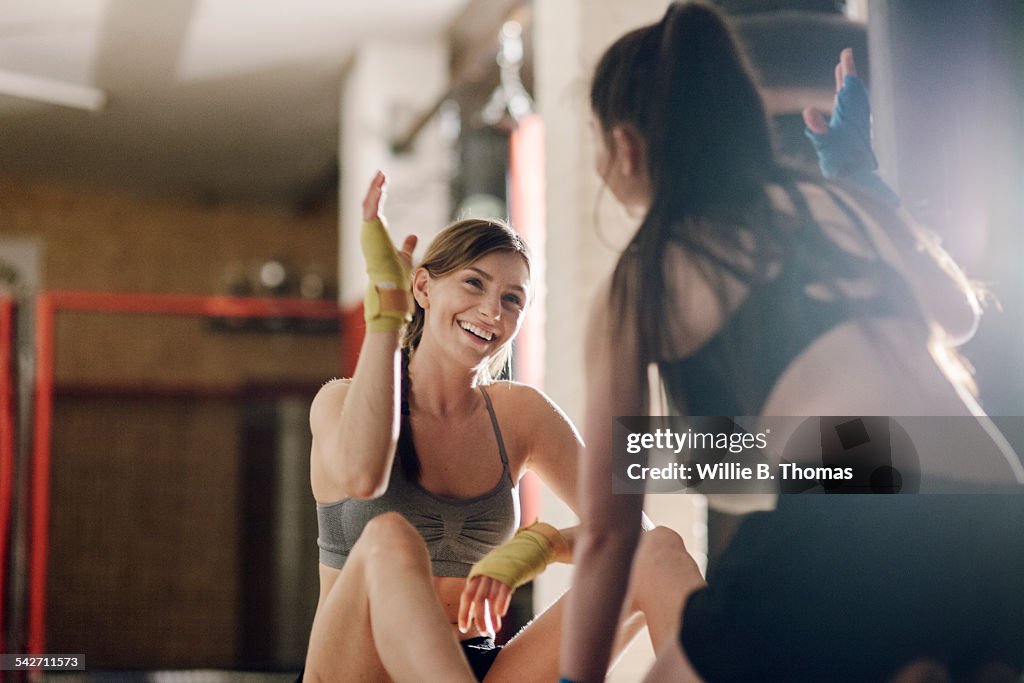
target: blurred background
180 183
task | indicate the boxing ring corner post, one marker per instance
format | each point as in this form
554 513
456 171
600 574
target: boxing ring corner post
8 388
43 416
48 305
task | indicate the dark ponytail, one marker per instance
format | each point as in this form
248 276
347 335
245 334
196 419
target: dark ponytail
685 86
405 451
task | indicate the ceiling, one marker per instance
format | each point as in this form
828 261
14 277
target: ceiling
213 100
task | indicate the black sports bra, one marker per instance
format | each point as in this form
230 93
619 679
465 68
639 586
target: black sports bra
734 373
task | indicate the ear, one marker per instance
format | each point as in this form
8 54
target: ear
629 149
421 287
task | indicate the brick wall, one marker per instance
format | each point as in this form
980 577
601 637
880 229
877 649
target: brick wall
149 531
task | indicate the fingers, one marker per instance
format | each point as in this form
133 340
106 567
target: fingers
477 608
466 601
484 601
408 246
815 121
503 600
490 607
846 62
845 67
374 196
470 611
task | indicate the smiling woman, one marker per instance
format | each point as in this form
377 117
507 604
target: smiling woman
415 467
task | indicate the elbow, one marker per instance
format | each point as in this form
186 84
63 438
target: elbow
362 480
364 487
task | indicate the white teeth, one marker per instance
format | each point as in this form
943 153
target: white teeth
470 327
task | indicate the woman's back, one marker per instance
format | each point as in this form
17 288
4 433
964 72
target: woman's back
807 340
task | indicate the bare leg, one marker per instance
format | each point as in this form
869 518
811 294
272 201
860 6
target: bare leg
532 655
381 619
663 577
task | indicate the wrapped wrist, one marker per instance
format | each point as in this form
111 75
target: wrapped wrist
388 303
386 310
519 560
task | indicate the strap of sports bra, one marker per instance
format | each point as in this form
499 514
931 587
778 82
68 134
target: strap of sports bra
497 434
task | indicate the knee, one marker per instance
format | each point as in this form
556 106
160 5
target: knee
658 546
390 538
662 570
662 556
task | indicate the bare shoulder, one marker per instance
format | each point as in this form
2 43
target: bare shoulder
516 396
531 410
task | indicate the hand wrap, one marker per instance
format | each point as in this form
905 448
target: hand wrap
845 150
517 561
388 303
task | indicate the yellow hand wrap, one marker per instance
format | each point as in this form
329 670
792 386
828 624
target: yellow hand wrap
517 561
388 302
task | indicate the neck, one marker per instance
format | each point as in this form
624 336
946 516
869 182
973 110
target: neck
440 388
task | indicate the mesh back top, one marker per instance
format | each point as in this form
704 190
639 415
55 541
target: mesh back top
736 370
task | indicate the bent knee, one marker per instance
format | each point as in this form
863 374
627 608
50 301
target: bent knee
388 525
391 536
660 549
659 542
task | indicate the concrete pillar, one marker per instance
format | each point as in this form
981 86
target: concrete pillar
586 230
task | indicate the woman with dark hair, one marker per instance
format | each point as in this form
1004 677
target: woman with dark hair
759 290
415 466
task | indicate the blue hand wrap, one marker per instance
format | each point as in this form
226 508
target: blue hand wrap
845 150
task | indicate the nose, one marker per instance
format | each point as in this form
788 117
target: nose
490 306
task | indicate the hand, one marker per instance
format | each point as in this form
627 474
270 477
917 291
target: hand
843 142
372 202
815 119
484 601
388 304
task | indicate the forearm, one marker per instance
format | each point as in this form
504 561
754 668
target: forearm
603 558
605 543
610 523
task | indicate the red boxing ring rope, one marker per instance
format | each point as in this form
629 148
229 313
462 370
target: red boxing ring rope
47 306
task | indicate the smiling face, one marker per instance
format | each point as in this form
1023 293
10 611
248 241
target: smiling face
474 312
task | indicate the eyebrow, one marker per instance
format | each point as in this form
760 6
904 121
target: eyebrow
490 278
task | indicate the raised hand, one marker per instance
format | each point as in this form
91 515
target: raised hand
843 142
388 304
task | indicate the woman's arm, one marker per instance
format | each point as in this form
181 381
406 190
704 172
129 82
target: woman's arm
553 445
843 145
355 424
610 530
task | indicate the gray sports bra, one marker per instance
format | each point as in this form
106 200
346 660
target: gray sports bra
458 531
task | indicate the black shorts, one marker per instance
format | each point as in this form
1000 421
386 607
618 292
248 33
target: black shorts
479 652
853 588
